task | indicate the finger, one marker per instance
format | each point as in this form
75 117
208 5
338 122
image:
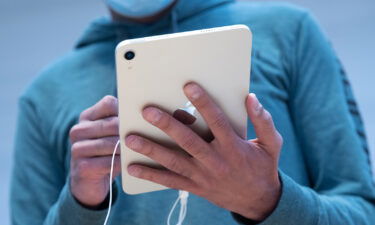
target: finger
94 147
215 118
95 129
261 119
181 134
173 160
163 177
98 167
106 107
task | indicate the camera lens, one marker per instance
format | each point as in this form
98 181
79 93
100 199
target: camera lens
129 55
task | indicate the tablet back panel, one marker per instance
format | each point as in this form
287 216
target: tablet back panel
218 59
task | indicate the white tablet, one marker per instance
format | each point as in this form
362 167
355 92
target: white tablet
153 71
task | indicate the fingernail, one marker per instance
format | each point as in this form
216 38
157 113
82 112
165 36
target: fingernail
152 114
133 142
257 107
193 91
134 171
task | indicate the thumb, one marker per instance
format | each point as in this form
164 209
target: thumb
265 130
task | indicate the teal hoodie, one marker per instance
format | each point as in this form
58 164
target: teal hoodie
324 164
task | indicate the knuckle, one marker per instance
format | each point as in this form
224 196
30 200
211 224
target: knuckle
186 173
101 144
189 142
74 132
267 116
147 149
219 121
84 114
75 150
147 175
173 164
110 124
101 126
200 154
222 171
201 100
164 123
261 108
169 182
110 102
279 138
114 123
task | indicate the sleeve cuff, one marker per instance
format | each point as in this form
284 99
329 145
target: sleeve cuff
72 212
243 220
296 206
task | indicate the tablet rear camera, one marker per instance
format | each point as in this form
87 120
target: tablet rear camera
129 55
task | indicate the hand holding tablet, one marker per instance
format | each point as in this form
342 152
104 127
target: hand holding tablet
154 70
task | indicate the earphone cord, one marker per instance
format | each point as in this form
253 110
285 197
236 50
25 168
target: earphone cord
182 196
183 199
110 183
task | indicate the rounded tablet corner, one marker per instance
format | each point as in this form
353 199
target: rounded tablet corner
246 29
121 45
129 191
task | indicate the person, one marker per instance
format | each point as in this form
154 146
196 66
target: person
307 164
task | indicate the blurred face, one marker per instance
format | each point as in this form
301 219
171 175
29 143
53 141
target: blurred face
138 9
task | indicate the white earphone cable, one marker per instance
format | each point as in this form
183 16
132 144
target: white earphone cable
182 197
110 183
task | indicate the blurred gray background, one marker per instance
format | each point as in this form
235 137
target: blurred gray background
35 33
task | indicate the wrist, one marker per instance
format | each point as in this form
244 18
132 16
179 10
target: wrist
265 204
88 198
